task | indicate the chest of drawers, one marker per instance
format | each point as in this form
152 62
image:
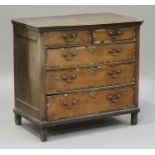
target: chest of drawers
75 68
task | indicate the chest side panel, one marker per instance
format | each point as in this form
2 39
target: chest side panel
28 71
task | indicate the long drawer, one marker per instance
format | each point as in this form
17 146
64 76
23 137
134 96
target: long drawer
89 55
89 102
57 81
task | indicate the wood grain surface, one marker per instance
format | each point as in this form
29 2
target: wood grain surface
68 38
89 55
112 35
90 77
76 20
78 104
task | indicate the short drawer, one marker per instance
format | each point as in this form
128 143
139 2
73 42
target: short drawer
67 38
112 35
89 102
90 55
90 77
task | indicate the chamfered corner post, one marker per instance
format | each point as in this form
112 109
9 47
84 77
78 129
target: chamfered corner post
18 119
43 134
134 118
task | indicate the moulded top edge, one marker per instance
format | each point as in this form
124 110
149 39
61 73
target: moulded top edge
76 20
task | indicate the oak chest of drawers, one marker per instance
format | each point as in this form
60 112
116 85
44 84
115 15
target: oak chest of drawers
75 68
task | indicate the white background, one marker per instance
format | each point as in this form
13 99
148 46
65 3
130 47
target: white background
111 133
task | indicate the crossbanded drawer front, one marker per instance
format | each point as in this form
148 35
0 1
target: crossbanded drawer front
80 56
90 77
89 102
67 38
112 35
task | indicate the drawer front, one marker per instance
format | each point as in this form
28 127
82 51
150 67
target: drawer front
112 35
90 77
84 103
79 56
68 38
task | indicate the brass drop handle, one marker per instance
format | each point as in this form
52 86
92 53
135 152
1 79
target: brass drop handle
69 37
71 104
69 55
69 79
115 52
115 33
114 98
114 73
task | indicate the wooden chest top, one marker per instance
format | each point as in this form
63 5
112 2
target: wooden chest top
76 20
